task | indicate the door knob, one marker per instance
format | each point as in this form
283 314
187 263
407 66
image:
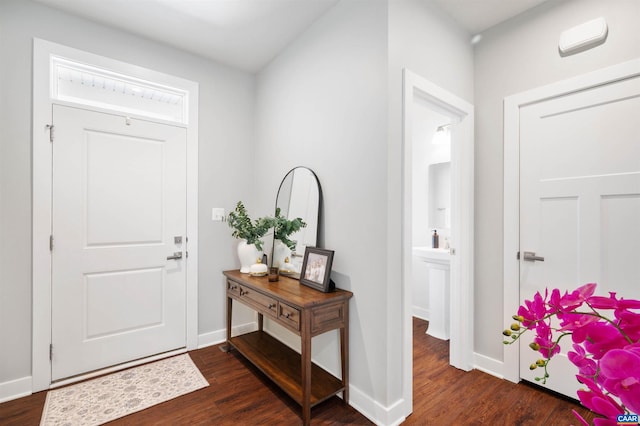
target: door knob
177 255
531 257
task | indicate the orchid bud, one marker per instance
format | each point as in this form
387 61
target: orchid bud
507 332
515 326
534 346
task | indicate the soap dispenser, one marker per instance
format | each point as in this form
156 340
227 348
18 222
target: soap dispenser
435 239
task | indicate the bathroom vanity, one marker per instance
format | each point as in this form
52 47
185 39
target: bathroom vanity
438 267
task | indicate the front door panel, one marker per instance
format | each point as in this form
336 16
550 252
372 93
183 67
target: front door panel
580 202
119 199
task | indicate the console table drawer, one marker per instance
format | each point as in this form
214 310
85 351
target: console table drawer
263 303
289 316
233 288
268 304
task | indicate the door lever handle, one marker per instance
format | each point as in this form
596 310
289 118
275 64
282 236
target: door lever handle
177 255
531 257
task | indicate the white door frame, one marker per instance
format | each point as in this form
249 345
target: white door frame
462 191
42 186
512 105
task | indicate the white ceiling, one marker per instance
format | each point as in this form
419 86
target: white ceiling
477 15
248 34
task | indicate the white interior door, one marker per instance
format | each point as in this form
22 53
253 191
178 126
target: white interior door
119 199
579 202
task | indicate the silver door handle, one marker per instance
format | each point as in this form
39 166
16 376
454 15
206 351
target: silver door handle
177 255
531 257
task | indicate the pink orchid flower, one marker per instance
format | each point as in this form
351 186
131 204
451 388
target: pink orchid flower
599 338
586 366
533 311
544 338
595 400
629 322
606 347
577 297
598 421
572 322
601 302
622 370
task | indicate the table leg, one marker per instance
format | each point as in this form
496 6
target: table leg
227 347
344 358
306 368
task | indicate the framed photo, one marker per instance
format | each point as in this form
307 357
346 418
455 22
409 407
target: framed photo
316 269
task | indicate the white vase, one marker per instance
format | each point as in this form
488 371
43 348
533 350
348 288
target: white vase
280 253
248 255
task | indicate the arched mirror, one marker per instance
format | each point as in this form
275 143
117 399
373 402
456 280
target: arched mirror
299 196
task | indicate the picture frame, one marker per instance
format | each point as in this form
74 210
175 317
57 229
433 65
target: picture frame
316 269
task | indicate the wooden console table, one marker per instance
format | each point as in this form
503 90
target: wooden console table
304 311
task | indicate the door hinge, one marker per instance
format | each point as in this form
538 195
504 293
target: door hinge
50 242
50 351
518 255
50 127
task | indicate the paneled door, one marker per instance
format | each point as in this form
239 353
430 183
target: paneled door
119 219
579 202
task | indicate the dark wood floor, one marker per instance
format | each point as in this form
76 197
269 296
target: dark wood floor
240 395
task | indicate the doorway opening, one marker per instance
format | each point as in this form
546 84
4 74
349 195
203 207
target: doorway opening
444 204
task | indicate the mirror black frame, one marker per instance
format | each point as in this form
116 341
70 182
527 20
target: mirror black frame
320 204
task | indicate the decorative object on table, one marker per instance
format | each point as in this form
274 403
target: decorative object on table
316 269
283 246
288 268
250 233
606 349
274 274
435 239
100 400
258 269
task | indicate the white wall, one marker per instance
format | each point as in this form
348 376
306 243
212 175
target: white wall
322 103
519 55
226 128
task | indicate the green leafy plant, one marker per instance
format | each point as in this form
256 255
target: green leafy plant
283 228
246 229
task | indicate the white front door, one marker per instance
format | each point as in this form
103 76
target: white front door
579 202
119 201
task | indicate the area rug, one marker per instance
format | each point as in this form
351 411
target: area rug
106 398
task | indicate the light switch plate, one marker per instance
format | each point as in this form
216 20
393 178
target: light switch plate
217 214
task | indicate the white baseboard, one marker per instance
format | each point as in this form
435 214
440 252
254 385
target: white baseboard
488 365
15 389
219 336
374 411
